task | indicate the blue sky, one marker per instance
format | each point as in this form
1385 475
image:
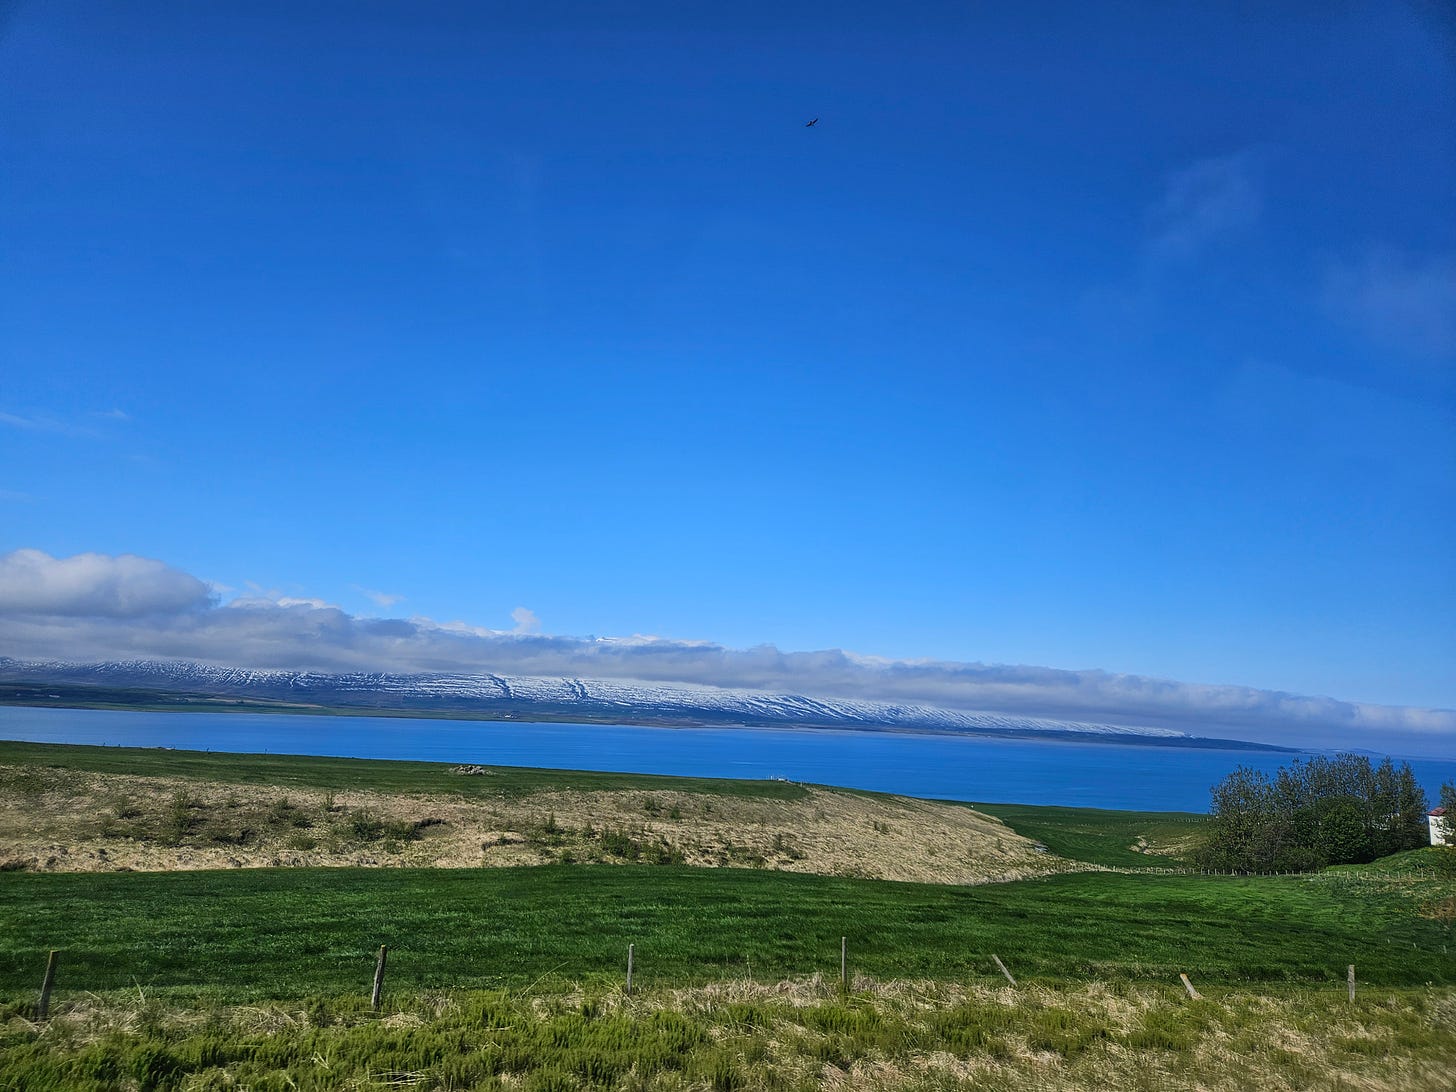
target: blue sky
1119 338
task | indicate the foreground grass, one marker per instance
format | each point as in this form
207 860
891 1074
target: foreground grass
279 933
794 1036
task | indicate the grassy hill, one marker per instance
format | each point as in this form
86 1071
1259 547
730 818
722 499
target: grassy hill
103 809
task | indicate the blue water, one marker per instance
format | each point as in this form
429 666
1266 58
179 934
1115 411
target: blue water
1098 775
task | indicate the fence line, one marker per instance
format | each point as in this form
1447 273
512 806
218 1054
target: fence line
376 993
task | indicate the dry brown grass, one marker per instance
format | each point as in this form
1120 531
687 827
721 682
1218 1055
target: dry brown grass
1304 1039
106 822
1243 1041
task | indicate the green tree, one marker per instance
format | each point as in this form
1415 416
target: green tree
1343 835
1314 812
1251 828
1411 810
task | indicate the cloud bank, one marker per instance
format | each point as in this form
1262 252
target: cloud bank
95 585
97 607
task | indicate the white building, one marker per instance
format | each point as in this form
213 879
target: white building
1442 831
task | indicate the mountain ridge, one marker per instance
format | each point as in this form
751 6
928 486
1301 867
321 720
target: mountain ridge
491 696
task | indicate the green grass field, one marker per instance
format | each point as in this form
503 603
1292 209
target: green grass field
288 932
1096 835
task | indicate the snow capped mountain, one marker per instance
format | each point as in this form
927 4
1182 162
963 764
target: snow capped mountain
525 697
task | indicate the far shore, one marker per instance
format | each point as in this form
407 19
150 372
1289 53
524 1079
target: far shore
154 701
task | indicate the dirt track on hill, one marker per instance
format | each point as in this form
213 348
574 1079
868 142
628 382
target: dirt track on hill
70 821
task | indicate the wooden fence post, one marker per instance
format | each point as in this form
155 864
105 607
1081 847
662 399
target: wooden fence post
1003 969
631 951
378 978
43 1009
1193 995
1350 981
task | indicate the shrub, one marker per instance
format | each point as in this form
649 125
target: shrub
786 848
366 826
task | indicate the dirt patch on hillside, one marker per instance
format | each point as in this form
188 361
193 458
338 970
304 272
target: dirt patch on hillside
1164 844
64 820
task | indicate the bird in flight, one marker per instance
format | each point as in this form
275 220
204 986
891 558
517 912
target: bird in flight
807 124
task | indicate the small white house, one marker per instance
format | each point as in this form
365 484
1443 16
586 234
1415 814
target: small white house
1442 831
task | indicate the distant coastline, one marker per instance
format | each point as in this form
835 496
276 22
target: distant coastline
61 693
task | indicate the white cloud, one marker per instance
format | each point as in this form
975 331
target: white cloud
61 426
1201 205
1204 202
43 424
277 599
382 599
96 585
526 621
95 607
460 629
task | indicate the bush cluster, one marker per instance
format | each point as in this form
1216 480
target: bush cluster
1313 813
